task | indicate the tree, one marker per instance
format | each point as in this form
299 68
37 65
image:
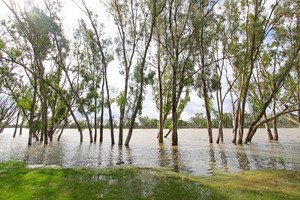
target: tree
204 24
150 12
291 53
40 40
8 111
105 59
256 27
176 40
128 18
91 72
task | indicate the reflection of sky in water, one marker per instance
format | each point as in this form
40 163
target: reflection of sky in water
193 155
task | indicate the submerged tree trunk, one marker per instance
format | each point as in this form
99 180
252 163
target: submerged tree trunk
142 67
207 111
268 129
32 112
168 132
95 122
102 112
220 129
111 123
21 126
16 127
275 121
174 116
161 122
44 102
220 111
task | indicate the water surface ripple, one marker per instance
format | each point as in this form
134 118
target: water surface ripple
193 155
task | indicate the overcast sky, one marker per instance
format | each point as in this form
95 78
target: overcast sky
70 15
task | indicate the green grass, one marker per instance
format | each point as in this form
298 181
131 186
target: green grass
128 182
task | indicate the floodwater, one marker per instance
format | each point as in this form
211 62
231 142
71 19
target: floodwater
192 156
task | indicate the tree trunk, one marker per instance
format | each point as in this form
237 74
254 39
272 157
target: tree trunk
161 123
102 111
32 111
269 132
61 132
16 127
235 124
267 120
111 123
22 124
123 107
207 111
174 121
95 122
121 126
141 89
275 121
44 109
220 111
168 132
220 135
298 94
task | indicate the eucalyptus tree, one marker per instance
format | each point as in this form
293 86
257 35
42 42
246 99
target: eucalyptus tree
91 72
288 32
132 18
232 46
177 43
59 58
24 95
102 45
8 110
25 49
226 25
287 58
16 58
161 90
205 25
150 10
32 28
40 42
258 22
258 92
128 18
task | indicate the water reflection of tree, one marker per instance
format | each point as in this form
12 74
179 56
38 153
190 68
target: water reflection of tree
54 154
223 158
242 158
265 157
171 156
163 157
111 156
129 157
46 155
124 156
177 164
212 159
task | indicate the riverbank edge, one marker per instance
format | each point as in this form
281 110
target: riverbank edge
18 181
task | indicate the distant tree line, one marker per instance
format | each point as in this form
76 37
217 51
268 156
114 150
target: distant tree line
197 121
243 51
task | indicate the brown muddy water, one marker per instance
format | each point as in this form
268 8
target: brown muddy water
192 156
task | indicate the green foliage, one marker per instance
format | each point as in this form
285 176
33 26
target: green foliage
199 120
121 100
146 122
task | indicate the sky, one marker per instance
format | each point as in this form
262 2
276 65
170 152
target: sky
70 15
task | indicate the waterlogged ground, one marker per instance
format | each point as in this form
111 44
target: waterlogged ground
129 182
193 155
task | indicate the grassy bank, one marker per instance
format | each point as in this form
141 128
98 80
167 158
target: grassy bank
128 182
